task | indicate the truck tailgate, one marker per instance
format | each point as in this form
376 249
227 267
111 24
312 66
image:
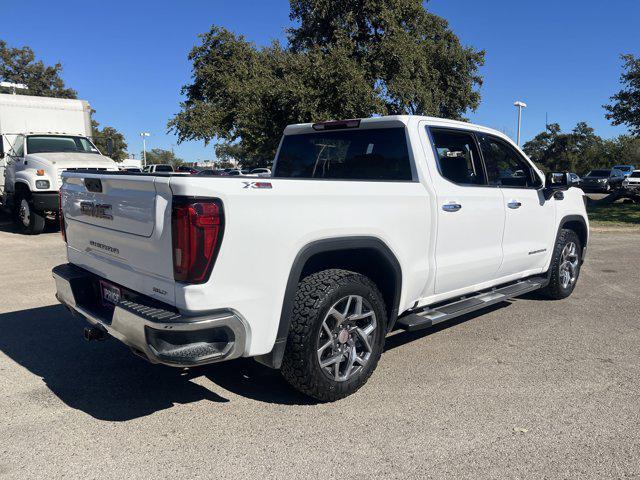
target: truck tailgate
119 227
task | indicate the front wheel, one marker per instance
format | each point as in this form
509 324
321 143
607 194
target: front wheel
336 335
565 266
29 221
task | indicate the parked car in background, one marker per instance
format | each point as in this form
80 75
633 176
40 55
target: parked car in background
130 169
625 169
158 168
632 182
261 172
603 180
187 169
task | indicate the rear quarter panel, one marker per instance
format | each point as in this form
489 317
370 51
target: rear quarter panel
266 228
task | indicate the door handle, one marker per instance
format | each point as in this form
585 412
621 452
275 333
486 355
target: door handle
451 207
514 204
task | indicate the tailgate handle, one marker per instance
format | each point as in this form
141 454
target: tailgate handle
93 185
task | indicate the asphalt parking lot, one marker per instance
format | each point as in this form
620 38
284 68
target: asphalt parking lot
529 389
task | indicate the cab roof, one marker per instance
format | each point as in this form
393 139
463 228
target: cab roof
389 121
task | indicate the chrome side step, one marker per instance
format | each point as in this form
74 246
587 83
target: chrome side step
428 317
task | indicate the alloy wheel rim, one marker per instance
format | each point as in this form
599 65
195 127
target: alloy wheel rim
569 265
345 340
24 213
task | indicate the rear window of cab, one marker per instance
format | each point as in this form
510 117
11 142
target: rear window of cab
375 154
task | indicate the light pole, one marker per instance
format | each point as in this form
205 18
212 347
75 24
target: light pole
14 86
520 106
144 136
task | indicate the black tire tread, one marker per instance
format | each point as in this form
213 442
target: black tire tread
308 302
554 290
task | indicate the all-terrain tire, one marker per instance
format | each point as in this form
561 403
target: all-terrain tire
555 290
315 295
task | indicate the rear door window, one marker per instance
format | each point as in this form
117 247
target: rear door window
364 154
458 157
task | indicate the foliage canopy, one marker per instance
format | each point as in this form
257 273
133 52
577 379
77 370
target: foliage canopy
18 65
343 59
581 150
159 156
625 109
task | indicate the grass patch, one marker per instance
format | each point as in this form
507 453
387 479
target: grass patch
615 215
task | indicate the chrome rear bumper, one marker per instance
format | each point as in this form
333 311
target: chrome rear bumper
157 334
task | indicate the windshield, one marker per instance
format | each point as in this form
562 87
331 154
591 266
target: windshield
624 168
599 173
635 175
58 143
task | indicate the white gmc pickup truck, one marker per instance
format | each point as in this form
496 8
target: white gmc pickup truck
365 226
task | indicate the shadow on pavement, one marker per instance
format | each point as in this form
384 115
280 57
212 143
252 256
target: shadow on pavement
108 382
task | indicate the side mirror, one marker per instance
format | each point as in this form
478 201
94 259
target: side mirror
557 182
557 179
110 146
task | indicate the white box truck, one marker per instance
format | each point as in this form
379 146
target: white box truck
41 138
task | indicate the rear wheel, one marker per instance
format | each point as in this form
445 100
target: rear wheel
336 336
565 266
29 221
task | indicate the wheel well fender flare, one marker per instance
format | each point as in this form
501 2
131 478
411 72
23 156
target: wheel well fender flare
20 187
578 224
324 246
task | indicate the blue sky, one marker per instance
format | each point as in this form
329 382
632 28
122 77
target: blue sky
129 59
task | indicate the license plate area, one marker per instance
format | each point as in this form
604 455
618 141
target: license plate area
110 294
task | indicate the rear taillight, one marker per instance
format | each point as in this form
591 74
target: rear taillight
197 226
63 227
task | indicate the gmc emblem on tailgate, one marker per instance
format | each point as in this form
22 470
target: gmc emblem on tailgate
97 210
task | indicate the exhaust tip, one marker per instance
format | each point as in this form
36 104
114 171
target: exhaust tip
94 333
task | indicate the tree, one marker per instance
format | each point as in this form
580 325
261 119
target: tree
100 137
159 156
18 65
346 59
556 151
581 149
625 109
621 150
410 56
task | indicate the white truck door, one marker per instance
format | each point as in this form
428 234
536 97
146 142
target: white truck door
530 219
470 213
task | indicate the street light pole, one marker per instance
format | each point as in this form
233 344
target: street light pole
144 136
520 106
